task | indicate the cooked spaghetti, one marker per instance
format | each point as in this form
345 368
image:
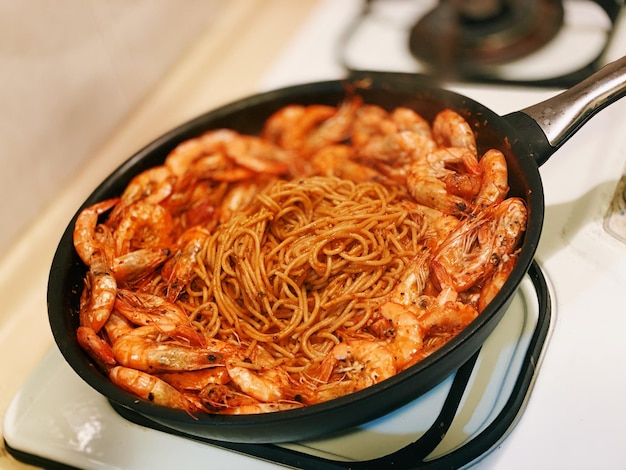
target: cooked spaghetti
307 261
259 273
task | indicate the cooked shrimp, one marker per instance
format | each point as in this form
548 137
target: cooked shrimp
309 128
179 269
98 297
411 285
336 160
392 150
195 202
202 156
417 323
148 309
335 128
258 155
150 388
355 364
461 257
221 397
361 361
95 346
226 155
202 206
495 180
256 375
400 325
510 218
438 224
401 312
393 154
180 159
106 242
443 319
152 186
143 225
450 129
266 385
406 134
117 326
195 380
446 180
371 122
219 167
495 282
136 265
84 233
478 244
143 349
284 127
406 119
238 196
405 333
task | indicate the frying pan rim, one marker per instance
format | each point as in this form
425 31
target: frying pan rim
162 145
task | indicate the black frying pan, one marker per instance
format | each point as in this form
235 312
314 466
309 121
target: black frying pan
527 138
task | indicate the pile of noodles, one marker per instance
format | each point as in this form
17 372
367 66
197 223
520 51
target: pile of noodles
303 265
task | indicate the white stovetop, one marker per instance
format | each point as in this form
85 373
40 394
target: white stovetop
575 413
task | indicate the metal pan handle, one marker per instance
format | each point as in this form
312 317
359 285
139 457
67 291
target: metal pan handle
562 115
547 125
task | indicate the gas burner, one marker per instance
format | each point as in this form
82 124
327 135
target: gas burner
460 38
513 42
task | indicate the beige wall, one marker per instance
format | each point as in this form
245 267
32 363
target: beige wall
70 70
